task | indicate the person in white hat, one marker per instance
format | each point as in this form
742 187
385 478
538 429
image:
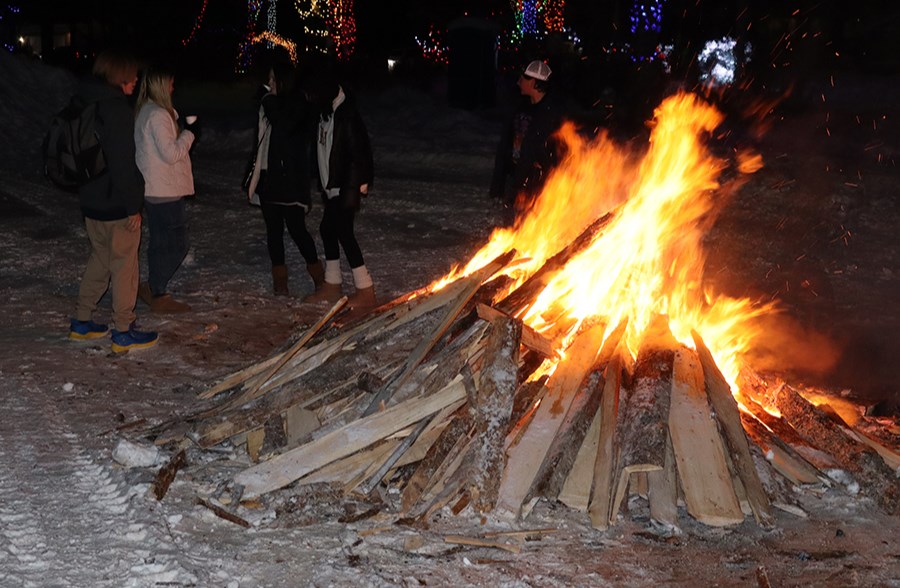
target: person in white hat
527 150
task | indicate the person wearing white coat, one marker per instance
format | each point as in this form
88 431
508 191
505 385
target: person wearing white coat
163 156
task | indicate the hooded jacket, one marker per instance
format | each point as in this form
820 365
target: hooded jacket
119 193
350 162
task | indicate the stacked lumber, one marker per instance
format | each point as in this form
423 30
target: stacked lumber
447 397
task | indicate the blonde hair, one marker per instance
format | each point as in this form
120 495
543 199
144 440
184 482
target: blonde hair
116 67
155 86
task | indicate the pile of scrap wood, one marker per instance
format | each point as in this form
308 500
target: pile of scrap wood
437 395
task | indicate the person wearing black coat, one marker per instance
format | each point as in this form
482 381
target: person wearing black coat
346 173
285 174
527 150
111 205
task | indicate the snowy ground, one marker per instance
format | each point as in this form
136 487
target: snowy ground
71 516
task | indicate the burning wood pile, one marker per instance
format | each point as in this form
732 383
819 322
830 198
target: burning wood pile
572 359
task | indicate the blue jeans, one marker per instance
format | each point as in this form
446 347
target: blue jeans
168 242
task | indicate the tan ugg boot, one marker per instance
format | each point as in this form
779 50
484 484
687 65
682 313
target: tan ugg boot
280 280
317 273
327 293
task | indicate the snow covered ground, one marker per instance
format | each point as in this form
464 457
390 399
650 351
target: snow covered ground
71 515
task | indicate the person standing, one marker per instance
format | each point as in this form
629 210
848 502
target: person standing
527 151
111 206
282 176
163 156
346 172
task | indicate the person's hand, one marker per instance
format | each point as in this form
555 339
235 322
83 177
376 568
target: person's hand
194 128
364 189
133 222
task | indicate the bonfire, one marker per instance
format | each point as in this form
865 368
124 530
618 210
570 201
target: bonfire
578 356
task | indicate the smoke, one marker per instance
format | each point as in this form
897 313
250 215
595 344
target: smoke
788 346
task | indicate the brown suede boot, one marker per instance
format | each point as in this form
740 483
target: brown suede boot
363 299
280 280
165 304
327 293
317 273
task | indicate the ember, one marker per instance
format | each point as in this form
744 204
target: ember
578 356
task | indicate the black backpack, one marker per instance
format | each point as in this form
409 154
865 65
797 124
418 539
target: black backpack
72 152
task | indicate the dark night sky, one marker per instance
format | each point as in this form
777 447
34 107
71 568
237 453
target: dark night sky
865 32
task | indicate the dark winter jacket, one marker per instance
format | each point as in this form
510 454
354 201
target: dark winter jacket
350 164
119 193
537 154
287 178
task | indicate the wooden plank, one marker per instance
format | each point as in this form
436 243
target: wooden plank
295 463
580 417
699 453
599 508
781 456
524 458
576 492
343 470
374 478
569 443
458 428
729 418
166 475
255 391
255 439
299 422
471 285
663 490
891 458
876 479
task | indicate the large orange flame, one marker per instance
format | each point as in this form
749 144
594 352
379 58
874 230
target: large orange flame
649 259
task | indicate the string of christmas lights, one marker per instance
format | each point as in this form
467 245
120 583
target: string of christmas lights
646 16
342 25
433 47
197 23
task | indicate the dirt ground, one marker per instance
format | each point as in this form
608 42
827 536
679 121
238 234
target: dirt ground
814 229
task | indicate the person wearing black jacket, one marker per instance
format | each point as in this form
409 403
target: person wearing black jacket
285 174
527 150
346 173
111 204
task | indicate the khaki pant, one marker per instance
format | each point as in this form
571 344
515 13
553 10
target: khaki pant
113 262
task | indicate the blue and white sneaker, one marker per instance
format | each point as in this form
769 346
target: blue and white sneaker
84 330
123 341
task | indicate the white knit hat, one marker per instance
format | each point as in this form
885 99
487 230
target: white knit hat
538 70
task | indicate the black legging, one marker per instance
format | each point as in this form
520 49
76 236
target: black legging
277 216
336 230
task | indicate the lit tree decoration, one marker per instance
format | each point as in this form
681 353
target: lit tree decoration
197 23
719 61
272 17
313 19
433 47
275 39
534 17
646 16
554 18
342 25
